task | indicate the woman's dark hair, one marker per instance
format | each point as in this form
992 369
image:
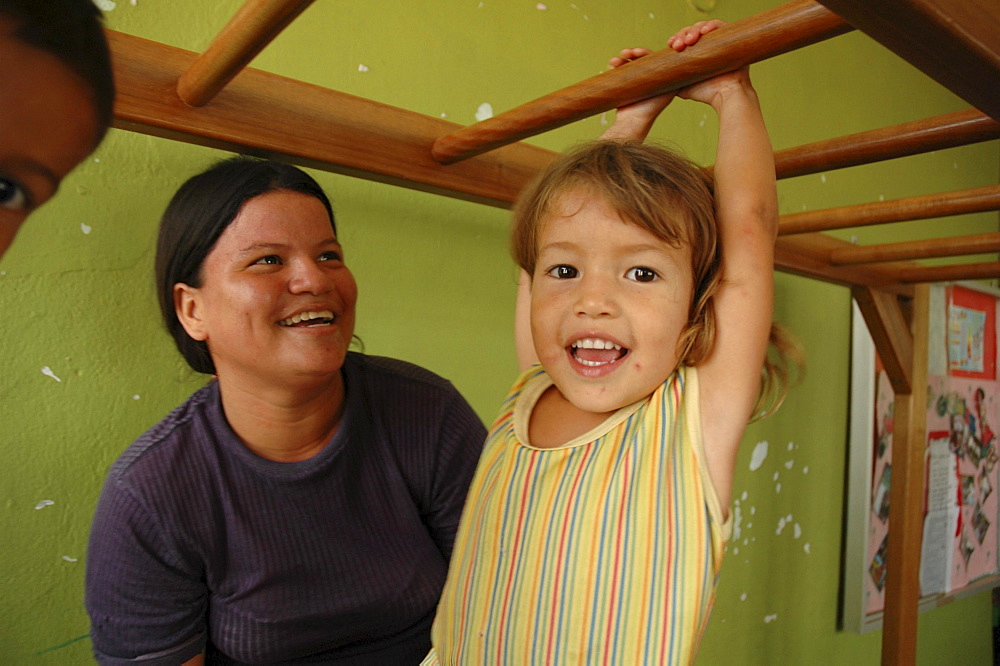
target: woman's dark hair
201 210
72 31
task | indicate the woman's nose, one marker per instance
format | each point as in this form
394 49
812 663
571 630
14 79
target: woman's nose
309 277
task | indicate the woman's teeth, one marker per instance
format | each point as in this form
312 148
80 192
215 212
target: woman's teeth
321 317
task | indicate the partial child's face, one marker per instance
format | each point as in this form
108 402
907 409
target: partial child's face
47 126
276 299
609 301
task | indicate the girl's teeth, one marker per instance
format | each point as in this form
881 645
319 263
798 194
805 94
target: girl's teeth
596 343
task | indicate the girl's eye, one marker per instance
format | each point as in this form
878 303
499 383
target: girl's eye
271 259
641 274
330 256
12 197
563 272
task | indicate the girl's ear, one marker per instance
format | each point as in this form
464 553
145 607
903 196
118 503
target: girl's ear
188 306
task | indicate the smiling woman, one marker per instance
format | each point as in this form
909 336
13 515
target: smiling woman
303 506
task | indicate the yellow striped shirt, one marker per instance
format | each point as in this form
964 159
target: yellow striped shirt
602 551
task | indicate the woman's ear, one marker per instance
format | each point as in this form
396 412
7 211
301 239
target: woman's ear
188 306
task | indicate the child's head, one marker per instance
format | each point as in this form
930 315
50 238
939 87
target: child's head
57 99
648 187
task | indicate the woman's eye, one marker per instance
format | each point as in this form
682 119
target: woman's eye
641 274
330 256
563 272
12 196
271 259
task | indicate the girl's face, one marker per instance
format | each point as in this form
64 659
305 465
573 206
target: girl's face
609 301
47 126
277 300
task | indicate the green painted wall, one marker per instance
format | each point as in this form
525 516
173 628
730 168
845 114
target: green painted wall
87 367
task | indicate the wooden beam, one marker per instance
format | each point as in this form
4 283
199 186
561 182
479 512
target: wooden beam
952 273
922 249
779 30
888 326
955 42
906 501
251 29
975 200
947 131
273 116
808 255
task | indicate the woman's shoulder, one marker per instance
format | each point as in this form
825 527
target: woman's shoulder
168 442
382 372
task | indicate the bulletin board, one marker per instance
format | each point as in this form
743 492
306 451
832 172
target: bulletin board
960 552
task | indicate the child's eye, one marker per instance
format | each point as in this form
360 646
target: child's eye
12 196
330 256
641 274
563 272
271 259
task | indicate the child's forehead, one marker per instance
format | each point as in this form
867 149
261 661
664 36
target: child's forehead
577 201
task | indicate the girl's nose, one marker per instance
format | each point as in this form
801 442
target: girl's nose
309 277
596 297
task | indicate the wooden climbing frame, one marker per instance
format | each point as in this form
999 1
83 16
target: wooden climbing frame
214 99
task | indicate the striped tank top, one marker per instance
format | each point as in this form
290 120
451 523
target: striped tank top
602 551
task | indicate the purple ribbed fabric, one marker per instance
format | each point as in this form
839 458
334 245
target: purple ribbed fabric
197 543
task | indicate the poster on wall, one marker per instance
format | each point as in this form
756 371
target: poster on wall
959 551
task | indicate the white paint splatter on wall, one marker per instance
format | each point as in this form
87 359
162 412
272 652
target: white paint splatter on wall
484 111
362 68
758 456
85 228
67 558
106 5
43 503
541 7
47 371
768 619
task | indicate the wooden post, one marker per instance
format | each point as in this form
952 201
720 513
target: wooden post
906 501
765 35
247 33
905 347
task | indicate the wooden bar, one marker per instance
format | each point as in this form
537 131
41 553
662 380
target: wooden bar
252 28
318 128
975 200
906 500
886 322
779 30
955 272
922 249
922 136
955 42
808 255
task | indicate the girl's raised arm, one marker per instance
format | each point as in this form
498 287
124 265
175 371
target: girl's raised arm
747 216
